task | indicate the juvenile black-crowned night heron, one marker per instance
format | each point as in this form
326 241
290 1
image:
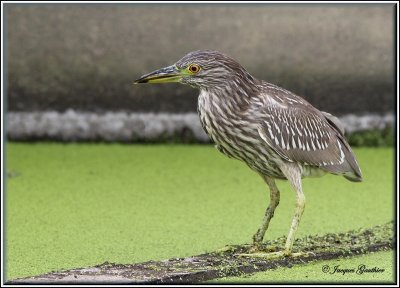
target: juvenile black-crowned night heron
275 132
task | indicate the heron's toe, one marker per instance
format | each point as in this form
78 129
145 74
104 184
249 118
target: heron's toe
232 248
274 255
264 255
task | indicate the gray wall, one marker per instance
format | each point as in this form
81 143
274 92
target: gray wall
85 57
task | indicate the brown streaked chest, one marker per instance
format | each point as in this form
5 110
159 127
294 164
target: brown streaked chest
226 125
216 116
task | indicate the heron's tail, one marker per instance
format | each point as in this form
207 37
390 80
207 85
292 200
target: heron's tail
354 174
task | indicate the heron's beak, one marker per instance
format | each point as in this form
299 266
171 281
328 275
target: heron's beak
163 75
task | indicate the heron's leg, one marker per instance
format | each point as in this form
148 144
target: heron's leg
269 213
293 174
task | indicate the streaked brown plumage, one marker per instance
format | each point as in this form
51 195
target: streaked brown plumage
275 132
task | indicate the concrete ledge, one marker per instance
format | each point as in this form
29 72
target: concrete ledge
87 126
135 127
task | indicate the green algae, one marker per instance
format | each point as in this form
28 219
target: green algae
78 205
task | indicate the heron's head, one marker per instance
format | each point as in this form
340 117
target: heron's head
200 69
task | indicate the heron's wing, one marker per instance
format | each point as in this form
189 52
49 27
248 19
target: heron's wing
335 122
300 133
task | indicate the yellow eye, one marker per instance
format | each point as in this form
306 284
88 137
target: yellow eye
194 68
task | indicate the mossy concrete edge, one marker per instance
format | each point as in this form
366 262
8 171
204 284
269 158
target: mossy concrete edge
225 263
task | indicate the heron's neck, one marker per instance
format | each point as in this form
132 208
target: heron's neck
236 91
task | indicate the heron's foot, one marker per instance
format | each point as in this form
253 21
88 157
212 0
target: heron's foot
275 255
265 255
226 248
257 247
232 248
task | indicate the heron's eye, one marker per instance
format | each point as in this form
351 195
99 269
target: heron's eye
194 68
